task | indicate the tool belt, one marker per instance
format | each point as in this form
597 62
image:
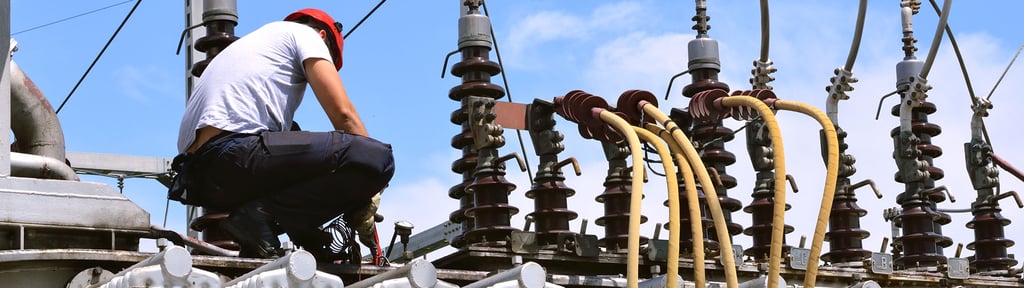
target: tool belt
190 184
184 186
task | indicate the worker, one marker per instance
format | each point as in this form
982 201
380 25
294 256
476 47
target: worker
240 153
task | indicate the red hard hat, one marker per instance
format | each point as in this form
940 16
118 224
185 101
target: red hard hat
320 15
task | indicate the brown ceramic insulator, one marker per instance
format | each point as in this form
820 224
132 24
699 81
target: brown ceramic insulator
709 82
684 121
920 237
476 70
924 131
990 242
459 216
491 211
629 105
616 199
219 34
922 226
761 209
845 234
714 155
551 214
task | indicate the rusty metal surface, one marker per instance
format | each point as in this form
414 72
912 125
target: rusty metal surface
510 115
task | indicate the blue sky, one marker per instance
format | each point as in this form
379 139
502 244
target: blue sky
132 101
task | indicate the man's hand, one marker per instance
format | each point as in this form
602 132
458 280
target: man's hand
362 220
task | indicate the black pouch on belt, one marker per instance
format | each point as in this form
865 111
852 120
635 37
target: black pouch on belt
183 186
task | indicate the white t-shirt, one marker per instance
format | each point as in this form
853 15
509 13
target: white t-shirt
255 84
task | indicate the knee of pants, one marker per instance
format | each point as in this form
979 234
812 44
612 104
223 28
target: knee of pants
370 156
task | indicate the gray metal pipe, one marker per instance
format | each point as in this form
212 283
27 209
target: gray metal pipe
527 275
35 166
299 265
36 128
419 272
175 262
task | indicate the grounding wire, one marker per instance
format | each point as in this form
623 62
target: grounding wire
519 133
764 30
167 207
1004 72
126 17
937 39
963 70
959 56
72 17
364 19
857 33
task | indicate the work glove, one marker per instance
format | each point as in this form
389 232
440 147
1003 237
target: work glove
363 219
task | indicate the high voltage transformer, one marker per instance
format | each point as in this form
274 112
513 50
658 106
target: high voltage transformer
88 234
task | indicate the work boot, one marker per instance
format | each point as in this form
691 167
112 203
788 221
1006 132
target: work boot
252 227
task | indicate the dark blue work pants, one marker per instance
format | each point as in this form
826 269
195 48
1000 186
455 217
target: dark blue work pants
303 179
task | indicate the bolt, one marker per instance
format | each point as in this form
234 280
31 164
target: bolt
161 244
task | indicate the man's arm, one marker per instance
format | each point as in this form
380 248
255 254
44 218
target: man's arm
329 90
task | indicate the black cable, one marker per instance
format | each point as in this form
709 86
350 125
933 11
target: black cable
126 17
647 159
72 17
519 133
364 19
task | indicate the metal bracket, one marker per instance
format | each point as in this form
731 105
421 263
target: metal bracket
798 258
737 254
658 250
881 263
959 268
524 242
586 245
486 133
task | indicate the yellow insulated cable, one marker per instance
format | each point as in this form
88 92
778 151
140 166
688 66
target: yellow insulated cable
779 209
704 179
832 173
636 195
672 273
693 205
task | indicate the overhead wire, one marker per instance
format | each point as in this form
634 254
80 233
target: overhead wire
937 39
959 56
857 33
72 17
764 31
504 80
1004 71
364 19
97 59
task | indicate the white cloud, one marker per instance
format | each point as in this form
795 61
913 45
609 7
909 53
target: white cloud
636 61
142 83
543 27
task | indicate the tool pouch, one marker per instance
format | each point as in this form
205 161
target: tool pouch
184 184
